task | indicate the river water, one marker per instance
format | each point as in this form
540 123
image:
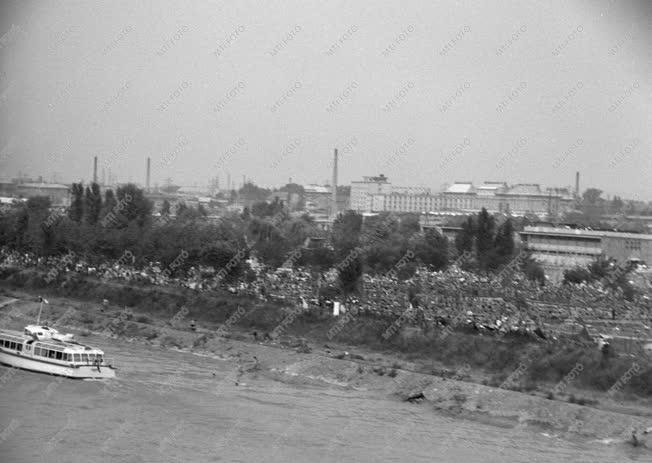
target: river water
175 406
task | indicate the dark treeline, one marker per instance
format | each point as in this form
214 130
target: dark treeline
100 228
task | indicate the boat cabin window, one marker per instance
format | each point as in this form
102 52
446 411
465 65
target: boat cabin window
84 358
59 355
37 351
19 346
91 357
12 345
77 357
51 354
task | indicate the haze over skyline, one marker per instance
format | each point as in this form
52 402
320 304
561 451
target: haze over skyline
529 95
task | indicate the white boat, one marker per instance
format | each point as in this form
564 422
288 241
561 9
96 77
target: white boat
44 349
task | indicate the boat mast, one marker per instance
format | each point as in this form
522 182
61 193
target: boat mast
38 319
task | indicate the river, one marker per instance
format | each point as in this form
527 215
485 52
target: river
174 406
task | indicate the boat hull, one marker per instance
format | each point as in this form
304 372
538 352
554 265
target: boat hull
81 371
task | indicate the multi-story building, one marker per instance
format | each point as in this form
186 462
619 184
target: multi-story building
362 193
559 248
317 198
459 197
376 194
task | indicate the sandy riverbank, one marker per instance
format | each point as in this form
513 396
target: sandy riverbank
295 360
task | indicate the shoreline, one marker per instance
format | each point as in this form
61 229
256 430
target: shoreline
293 360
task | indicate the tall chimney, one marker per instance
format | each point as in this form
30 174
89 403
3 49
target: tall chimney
334 187
95 169
577 184
149 163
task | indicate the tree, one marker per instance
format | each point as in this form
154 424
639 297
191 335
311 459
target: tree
485 231
252 192
345 233
76 210
431 248
504 243
318 260
222 255
592 204
135 206
37 235
93 203
109 202
617 205
591 196
409 224
532 270
165 207
464 239
349 274
266 209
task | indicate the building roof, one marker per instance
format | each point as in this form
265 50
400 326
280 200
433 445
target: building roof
316 189
525 189
578 232
460 188
371 179
43 186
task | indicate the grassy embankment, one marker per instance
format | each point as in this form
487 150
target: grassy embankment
539 364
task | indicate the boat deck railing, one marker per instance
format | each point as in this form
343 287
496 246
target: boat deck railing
106 362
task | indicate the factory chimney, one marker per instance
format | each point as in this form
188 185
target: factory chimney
95 169
577 185
334 186
147 178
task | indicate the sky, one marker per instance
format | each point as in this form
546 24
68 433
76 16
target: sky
425 92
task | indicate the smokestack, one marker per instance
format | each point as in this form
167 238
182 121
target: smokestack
149 163
334 187
95 169
577 184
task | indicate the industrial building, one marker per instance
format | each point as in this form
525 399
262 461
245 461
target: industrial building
59 194
559 248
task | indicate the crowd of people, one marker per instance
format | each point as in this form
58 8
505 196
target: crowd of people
502 302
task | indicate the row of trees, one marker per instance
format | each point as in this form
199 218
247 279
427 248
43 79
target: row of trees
591 208
102 227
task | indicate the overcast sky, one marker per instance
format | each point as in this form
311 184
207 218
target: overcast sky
425 92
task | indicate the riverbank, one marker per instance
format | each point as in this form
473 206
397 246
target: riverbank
415 379
569 368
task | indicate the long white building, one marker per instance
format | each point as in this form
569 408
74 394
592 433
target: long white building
377 194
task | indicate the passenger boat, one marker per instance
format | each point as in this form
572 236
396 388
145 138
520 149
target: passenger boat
44 349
